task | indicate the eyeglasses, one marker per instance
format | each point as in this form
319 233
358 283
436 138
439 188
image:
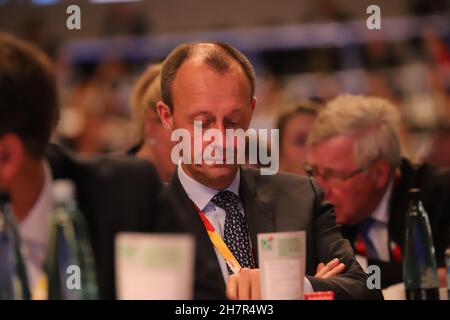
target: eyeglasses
332 175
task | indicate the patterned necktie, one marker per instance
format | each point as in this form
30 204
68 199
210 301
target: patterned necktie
364 230
236 231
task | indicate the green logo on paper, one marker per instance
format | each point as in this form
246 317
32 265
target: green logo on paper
266 244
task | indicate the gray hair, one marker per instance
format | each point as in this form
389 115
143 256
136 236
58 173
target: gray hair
373 121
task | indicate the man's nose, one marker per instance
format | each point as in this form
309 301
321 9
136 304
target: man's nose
220 143
216 141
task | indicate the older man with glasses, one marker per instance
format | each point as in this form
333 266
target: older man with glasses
354 153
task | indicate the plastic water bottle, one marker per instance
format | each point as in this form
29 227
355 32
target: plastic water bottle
71 266
13 277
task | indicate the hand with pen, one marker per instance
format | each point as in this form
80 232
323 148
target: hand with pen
245 285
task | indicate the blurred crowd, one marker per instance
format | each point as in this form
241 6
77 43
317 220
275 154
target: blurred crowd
370 121
97 115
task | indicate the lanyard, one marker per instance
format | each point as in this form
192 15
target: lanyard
218 243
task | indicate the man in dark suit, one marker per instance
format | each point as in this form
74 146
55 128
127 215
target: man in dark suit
214 84
354 152
114 195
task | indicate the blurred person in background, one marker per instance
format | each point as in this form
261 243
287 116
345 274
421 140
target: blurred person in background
152 140
270 103
354 153
439 153
295 127
94 114
113 194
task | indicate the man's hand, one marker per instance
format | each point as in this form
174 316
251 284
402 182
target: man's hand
331 269
246 284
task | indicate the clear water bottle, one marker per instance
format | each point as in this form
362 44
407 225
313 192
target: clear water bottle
13 276
70 263
419 265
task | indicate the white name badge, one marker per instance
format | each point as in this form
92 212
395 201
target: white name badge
154 267
282 257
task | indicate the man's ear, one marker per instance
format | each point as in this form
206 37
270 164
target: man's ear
253 104
165 115
381 172
12 155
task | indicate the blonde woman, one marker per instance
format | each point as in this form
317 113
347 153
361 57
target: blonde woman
152 141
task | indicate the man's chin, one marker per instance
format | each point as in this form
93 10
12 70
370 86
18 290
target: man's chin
224 170
340 218
346 220
220 175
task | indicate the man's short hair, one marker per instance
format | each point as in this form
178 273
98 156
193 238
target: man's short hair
28 94
374 121
216 55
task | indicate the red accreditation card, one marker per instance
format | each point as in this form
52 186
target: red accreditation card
321 295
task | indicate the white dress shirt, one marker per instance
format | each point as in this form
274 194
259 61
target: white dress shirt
34 230
379 232
201 195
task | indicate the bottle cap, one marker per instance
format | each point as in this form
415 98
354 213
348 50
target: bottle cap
63 191
415 193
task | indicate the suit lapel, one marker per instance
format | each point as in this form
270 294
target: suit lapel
258 208
207 271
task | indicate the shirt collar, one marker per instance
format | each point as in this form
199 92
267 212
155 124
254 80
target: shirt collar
200 194
381 213
35 226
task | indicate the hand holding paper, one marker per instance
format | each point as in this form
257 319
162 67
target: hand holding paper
285 276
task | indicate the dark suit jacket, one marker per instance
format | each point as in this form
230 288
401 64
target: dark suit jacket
435 194
115 194
275 203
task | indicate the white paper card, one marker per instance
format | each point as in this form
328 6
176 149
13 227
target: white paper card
282 257
154 266
395 292
362 262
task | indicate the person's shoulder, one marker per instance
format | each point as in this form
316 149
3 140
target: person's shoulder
286 191
281 181
440 174
433 181
436 184
123 166
65 163
429 176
